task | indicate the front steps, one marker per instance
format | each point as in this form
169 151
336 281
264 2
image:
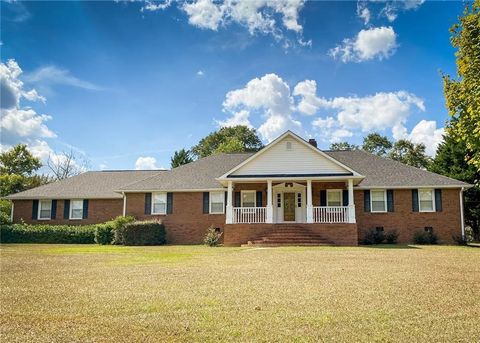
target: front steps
289 235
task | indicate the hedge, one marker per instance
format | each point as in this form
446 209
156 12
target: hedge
143 233
24 233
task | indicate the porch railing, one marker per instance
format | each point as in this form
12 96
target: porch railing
249 215
330 214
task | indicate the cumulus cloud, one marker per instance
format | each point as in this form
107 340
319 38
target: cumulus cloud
330 129
200 73
426 132
146 163
307 91
378 42
388 9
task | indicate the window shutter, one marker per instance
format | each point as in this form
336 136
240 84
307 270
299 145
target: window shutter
323 198
148 203
415 200
66 209
366 200
35 209
206 202
169 203
225 202
85 208
438 200
345 197
237 199
53 214
390 201
259 199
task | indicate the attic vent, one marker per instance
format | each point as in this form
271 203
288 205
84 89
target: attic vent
289 146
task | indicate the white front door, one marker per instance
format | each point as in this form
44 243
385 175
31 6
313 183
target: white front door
289 203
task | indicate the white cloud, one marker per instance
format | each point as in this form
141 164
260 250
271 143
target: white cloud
379 42
426 132
330 130
363 12
146 163
309 103
237 118
204 14
385 8
200 73
156 5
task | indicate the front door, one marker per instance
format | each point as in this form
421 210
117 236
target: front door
289 207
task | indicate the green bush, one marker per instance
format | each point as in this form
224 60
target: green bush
24 233
425 237
5 209
391 237
460 240
373 236
118 224
212 237
104 233
143 233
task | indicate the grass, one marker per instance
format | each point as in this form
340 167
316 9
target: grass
65 293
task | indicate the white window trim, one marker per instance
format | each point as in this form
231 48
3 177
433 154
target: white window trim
71 210
384 200
153 203
210 202
254 197
432 191
341 196
40 210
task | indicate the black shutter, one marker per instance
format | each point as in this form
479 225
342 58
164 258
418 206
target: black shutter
345 197
53 213
35 209
169 203
438 200
66 209
148 203
85 208
415 200
237 199
366 200
206 202
259 199
225 203
323 198
390 201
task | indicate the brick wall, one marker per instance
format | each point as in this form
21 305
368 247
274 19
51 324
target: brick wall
99 210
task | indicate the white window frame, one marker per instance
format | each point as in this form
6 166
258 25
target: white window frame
40 209
223 202
384 200
70 215
163 194
254 197
432 191
335 191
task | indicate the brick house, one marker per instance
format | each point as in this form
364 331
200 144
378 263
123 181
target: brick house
289 192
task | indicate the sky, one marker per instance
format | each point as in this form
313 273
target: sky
125 84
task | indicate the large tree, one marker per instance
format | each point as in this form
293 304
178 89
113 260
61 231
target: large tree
244 139
343 146
180 157
377 144
462 93
66 164
410 153
450 161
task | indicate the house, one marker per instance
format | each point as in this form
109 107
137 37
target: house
288 192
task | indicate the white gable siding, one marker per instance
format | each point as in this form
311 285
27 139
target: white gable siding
300 159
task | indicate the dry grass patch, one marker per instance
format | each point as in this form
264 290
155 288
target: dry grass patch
192 293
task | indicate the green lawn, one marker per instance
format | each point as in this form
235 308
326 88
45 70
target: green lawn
65 293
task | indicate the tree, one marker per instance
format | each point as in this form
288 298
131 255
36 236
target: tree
377 144
409 153
180 157
19 161
232 145
343 146
66 164
450 161
210 144
462 94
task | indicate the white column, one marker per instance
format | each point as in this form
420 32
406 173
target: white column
462 223
124 204
309 202
229 214
351 203
11 213
269 209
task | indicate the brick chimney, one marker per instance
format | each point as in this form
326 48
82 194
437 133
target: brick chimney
313 142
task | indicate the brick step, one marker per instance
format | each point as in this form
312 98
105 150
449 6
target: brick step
302 234
273 245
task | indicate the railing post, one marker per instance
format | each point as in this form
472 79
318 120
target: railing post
229 214
269 208
351 204
309 202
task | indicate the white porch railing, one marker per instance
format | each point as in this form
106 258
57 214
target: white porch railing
330 214
249 215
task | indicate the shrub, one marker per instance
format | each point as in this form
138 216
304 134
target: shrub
24 233
460 240
425 237
143 233
5 208
391 237
373 236
104 233
212 237
118 224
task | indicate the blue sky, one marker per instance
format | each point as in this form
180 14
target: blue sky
126 84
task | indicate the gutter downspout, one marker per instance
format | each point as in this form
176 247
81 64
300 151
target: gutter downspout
462 223
124 204
11 211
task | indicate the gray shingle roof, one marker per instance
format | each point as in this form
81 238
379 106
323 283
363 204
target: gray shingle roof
91 185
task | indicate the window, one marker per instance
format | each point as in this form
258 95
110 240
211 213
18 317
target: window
425 200
299 199
279 200
45 209
248 199
76 209
334 197
289 146
379 200
159 203
217 202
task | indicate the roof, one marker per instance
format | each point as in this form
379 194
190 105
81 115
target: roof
384 172
91 185
197 175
